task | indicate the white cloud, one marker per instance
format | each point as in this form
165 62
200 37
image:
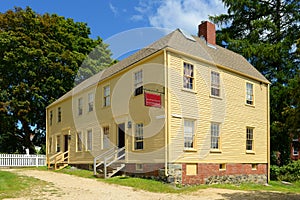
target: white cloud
185 14
113 9
137 17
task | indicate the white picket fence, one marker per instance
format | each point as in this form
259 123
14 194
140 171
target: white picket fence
22 160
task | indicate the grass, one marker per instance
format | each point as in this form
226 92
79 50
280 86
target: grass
151 185
157 186
274 186
160 187
13 185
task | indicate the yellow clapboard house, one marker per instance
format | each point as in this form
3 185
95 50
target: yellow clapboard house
182 109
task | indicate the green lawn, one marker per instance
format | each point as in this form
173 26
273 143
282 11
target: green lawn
13 185
157 186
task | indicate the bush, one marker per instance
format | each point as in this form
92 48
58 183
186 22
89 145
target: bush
289 172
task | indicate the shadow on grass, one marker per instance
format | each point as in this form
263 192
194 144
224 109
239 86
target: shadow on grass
261 195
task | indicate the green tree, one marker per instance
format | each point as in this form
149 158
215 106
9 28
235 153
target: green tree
265 33
40 57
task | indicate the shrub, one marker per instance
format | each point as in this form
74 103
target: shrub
289 172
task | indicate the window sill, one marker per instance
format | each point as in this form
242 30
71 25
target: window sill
215 151
190 150
250 105
250 152
189 90
215 97
137 150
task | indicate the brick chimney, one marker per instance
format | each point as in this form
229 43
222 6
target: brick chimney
208 31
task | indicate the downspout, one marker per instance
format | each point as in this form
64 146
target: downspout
47 135
268 130
166 112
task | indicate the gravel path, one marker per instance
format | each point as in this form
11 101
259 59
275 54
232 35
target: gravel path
63 186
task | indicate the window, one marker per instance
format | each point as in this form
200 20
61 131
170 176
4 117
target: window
138 83
51 117
215 136
249 141
90 102
106 141
139 137
254 166
79 141
80 102
215 84
59 114
188 76
89 140
50 145
139 167
106 96
249 93
106 130
222 166
58 143
295 147
189 134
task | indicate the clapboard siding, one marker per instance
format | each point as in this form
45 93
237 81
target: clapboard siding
229 110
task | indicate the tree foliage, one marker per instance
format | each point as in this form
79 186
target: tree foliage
40 57
265 33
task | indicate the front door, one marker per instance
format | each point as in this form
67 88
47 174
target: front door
121 135
66 145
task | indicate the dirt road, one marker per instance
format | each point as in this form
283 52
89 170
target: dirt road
63 186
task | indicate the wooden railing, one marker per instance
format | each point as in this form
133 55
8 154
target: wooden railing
59 158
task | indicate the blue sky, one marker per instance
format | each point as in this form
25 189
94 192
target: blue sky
127 25
109 17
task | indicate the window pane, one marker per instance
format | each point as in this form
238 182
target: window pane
106 96
91 102
188 134
249 139
215 83
139 137
79 141
249 93
188 76
89 140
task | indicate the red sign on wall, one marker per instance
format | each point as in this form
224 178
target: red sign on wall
153 100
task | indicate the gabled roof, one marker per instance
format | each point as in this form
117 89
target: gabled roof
181 42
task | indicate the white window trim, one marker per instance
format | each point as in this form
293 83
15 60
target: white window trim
253 94
252 151
87 141
134 137
137 84
106 96
194 135
215 150
192 77
58 141
91 98
80 106
220 88
77 138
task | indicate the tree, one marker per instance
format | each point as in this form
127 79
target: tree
40 57
265 33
